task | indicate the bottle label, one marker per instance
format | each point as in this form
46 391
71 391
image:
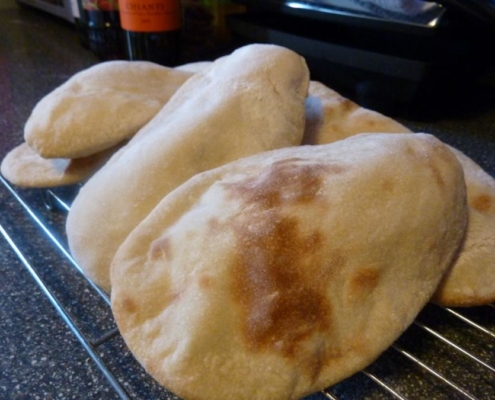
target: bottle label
100 5
150 15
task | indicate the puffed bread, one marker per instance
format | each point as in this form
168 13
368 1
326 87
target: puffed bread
100 107
246 103
471 279
331 117
280 274
194 67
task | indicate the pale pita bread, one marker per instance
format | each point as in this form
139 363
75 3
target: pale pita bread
24 167
194 67
246 103
331 117
99 107
283 273
471 280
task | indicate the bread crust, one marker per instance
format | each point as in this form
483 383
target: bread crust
471 279
99 107
22 166
331 117
280 274
248 102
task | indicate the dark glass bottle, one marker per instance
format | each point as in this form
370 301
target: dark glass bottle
205 35
78 23
101 21
159 47
152 30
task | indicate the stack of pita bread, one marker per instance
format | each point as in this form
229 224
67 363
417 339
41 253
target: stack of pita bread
76 128
262 237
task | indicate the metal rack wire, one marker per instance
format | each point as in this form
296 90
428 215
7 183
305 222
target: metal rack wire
445 354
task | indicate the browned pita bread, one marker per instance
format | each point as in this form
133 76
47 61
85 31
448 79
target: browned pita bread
280 274
24 167
246 103
331 117
99 107
471 280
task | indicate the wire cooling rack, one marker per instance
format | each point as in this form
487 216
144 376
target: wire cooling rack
445 354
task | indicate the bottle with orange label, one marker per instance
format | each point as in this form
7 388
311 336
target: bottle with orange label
152 30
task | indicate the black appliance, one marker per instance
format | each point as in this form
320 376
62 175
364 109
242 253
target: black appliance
386 54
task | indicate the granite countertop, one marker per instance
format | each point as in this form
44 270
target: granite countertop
42 358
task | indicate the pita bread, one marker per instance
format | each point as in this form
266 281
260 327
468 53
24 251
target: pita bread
246 103
99 107
471 280
283 273
331 117
24 167
194 67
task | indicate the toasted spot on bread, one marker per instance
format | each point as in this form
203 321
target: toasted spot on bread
482 202
272 273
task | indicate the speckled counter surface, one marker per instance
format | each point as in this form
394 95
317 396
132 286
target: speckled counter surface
42 358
